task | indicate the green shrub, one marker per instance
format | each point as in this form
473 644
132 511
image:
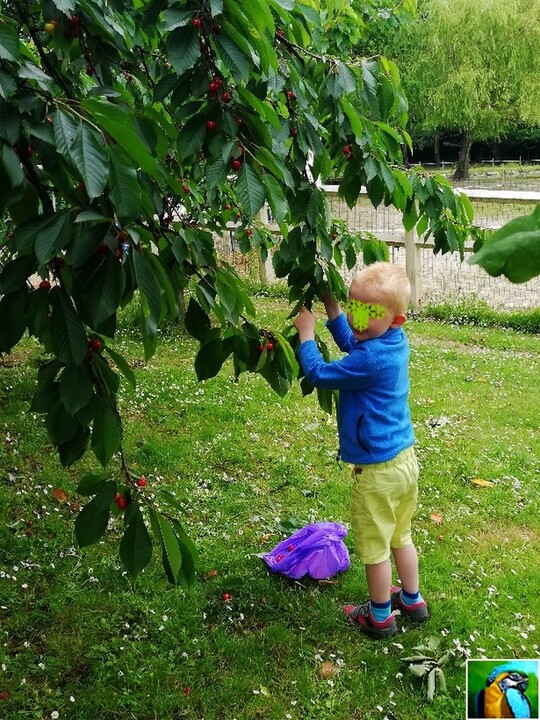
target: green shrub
472 311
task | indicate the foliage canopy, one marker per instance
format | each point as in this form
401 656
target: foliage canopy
134 132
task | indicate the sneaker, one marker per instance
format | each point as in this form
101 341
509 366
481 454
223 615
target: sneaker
362 616
418 612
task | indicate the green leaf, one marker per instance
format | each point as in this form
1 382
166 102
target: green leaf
106 432
276 198
164 533
68 336
233 57
250 191
92 521
135 545
60 424
352 115
75 387
124 184
122 365
9 43
90 159
210 358
187 573
120 125
12 318
513 250
190 138
72 450
183 48
90 483
15 273
53 234
196 321
101 292
148 285
66 131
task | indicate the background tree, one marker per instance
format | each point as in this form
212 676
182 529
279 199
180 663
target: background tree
131 135
469 67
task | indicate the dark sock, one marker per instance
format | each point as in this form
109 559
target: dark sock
410 598
380 611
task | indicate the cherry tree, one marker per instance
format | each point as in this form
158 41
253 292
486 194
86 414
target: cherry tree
135 132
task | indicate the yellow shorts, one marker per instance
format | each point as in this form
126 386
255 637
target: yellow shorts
383 503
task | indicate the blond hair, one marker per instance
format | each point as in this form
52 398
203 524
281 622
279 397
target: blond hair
390 281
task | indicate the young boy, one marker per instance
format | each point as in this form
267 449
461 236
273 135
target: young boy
375 435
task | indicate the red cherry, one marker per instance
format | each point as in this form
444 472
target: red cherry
121 501
239 121
95 345
293 132
4 695
238 216
226 98
103 248
270 347
226 596
81 185
29 152
75 20
291 95
59 263
290 548
216 29
261 348
228 207
45 285
196 22
346 150
185 188
211 125
279 558
213 87
118 252
236 164
141 482
90 70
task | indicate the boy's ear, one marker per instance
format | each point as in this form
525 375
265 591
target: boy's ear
398 320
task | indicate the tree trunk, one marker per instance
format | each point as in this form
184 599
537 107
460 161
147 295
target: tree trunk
437 148
462 167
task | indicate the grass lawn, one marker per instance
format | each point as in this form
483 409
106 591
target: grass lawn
80 640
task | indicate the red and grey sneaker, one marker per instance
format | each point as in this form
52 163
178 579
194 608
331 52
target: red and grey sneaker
362 616
418 612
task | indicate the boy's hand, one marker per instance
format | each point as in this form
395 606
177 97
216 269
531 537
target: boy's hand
305 324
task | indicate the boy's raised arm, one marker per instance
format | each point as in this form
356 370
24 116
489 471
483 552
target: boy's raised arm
331 305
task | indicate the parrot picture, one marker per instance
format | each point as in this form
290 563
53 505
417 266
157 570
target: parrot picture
504 695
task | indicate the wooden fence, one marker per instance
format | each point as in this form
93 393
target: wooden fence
435 278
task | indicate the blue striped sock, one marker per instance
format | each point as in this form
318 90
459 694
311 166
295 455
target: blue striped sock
410 598
380 611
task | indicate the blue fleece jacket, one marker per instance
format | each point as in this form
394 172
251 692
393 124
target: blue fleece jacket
374 421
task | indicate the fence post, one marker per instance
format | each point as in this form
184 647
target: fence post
266 270
413 266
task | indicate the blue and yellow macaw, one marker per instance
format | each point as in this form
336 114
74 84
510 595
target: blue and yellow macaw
504 695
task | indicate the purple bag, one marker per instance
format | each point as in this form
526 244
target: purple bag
316 550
